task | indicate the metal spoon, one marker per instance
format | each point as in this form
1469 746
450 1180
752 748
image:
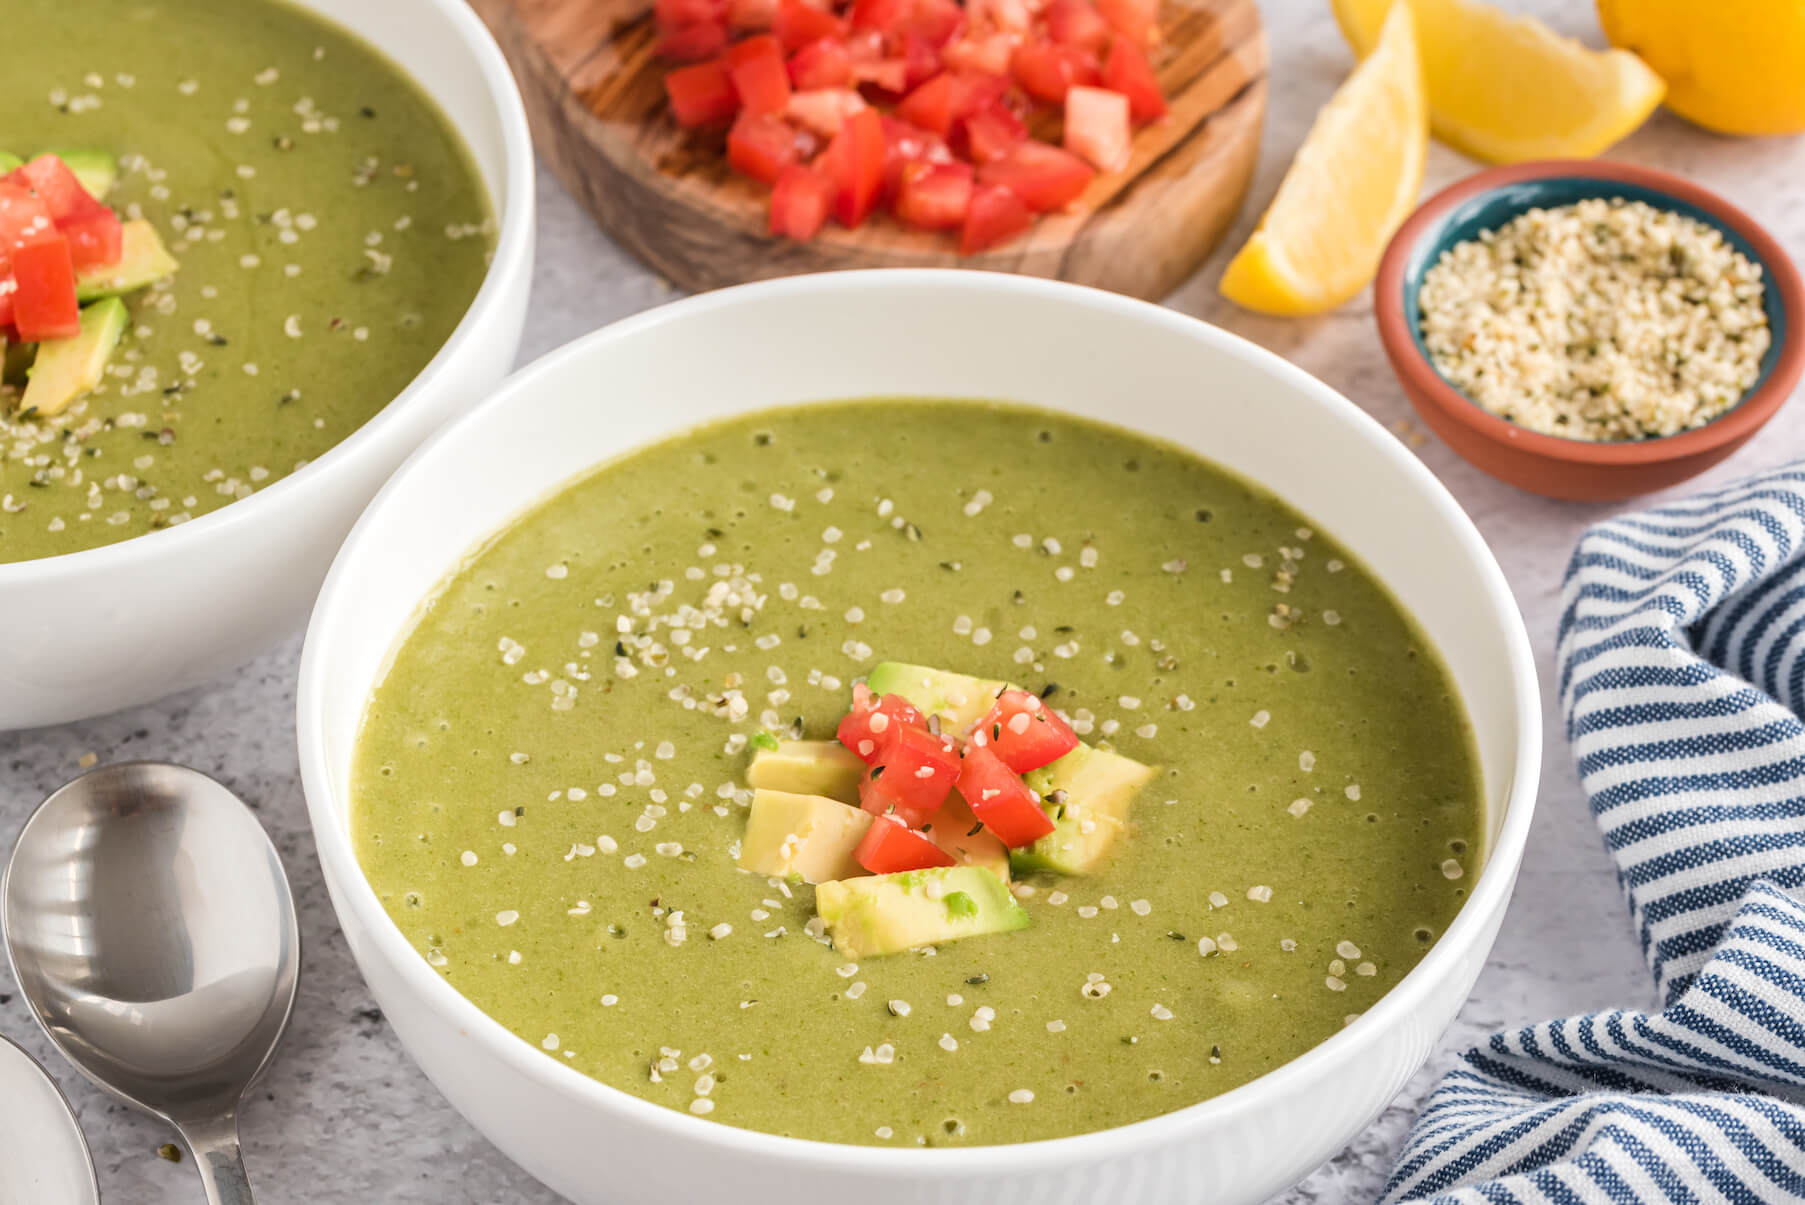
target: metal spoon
152 931
46 1156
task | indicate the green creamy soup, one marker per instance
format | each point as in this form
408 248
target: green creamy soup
549 790
331 232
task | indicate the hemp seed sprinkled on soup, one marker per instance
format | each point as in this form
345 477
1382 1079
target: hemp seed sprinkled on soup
917 773
321 230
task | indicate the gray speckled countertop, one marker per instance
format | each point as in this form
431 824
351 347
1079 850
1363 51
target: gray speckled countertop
344 1115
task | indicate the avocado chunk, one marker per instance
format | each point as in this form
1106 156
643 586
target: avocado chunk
808 768
65 369
886 913
9 162
1098 788
143 259
958 699
97 170
955 830
805 837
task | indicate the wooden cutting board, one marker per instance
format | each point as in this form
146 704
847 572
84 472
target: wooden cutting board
595 96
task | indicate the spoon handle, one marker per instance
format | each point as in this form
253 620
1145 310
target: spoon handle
214 1145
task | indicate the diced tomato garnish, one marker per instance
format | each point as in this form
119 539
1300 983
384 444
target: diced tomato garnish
759 76
1024 732
996 216
702 94
997 796
692 43
1096 127
989 134
44 307
24 218
799 202
751 14
1078 24
938 21
873 720
854 163
1127 71
883 16
1043 176
761 146
1043 70
905 144
823 63
824 110
930 106
934 196
889 846
1133 19
95 236
8 288
50 178
798 24
914 772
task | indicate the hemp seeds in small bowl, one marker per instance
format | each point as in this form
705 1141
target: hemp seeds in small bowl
1589 330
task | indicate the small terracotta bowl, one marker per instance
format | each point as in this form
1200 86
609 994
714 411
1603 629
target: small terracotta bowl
1549 464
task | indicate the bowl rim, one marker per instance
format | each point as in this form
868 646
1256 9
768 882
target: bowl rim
513 249
1428 386
337 605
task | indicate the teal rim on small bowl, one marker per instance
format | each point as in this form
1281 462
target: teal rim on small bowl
1491 198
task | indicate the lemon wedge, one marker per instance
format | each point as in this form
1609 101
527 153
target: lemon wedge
1506 89
1354 180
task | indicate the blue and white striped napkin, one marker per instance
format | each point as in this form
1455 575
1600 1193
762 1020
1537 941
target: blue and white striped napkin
1682 677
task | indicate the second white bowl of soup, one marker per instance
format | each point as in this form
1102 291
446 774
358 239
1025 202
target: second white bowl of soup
676 546
339 197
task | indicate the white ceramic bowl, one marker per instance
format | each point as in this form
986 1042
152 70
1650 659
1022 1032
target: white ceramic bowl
958 334
94 631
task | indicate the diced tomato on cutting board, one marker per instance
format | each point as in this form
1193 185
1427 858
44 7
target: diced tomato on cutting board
991 132
1097 128
996 216
823 63
1045 177
798 24
702 94
854 163
823 110
800 201
934 196
1126 70
953 143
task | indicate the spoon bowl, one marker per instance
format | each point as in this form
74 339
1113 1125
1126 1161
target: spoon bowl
151 928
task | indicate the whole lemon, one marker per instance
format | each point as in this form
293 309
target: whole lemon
1734 66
